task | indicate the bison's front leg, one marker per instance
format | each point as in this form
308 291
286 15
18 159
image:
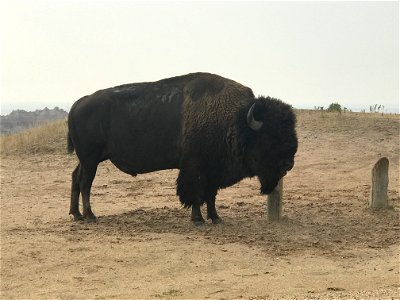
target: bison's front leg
197 217
211 210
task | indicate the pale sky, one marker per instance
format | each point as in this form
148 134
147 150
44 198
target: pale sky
305 53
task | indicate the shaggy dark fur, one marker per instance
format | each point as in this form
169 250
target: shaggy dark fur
196 123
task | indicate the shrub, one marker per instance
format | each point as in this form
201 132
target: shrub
335 107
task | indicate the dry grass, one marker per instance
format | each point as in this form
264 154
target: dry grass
51 137
349 122
46 138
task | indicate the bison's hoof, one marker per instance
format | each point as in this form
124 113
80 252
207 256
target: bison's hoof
217 220
78 217
198 222
90 219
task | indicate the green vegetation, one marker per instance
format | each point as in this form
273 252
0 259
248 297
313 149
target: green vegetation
335 107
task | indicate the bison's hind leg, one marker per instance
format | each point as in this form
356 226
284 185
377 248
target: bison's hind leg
82 179
87 172
75 191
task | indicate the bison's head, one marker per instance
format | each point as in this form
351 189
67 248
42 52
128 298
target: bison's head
271 141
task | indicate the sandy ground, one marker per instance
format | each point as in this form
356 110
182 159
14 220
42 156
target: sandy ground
328 245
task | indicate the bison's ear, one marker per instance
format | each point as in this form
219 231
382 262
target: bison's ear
253 114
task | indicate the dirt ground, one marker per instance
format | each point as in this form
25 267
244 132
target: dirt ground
328 245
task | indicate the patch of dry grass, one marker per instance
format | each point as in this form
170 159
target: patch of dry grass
47 138
333 122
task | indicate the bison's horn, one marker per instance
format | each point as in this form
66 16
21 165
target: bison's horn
253 124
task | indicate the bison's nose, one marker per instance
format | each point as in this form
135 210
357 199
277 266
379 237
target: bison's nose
288 165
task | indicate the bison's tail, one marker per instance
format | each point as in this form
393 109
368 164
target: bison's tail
70 144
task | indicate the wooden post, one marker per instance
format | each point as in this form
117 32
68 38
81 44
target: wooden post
275 202
379 187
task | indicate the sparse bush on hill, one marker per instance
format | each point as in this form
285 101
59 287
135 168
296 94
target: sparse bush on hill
376 108
335 107
47 138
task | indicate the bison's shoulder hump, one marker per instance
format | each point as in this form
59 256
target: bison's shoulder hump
204 85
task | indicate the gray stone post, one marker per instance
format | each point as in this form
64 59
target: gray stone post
275 202
379 186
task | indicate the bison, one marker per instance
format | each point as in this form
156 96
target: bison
213 129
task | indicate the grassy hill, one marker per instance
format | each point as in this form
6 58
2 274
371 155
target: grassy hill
51 137
47 138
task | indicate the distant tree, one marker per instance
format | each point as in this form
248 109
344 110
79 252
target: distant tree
335 107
